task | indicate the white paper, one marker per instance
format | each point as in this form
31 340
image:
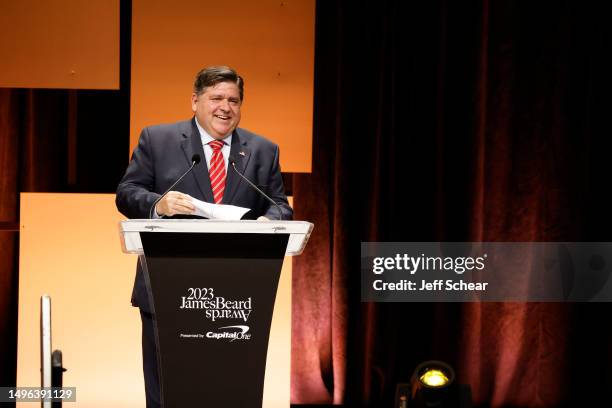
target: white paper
218 211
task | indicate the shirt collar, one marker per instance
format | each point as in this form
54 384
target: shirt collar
206 138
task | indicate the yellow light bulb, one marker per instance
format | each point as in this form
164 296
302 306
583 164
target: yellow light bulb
434 378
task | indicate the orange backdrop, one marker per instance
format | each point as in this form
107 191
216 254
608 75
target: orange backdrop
270 43
59 44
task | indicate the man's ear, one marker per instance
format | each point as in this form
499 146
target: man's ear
194 100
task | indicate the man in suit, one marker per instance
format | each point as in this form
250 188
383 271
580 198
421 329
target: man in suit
165 152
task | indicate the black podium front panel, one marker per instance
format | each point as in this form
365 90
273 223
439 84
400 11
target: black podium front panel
213 298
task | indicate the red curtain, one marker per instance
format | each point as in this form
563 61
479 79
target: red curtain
453 121
9 150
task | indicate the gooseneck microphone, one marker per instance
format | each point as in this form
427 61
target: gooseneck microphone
195 159
232 161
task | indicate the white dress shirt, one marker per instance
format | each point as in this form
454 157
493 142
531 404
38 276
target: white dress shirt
208 151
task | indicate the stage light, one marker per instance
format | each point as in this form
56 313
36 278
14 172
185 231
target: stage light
433 386
432 375
434 378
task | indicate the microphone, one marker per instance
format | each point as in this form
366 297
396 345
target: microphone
195 159
232 161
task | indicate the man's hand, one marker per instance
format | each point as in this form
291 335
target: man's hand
175 203
262 218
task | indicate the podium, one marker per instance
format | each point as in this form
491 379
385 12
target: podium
212 286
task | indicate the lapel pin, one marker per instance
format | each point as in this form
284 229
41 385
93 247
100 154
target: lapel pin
242 154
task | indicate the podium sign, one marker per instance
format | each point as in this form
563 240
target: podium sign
212 287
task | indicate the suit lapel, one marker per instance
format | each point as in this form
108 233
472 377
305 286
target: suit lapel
240 151
192 144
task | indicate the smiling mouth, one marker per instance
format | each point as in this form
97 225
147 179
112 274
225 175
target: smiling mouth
222 117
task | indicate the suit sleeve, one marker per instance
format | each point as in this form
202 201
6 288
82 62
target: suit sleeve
276 191
135 195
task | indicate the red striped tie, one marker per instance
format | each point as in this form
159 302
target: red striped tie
217 170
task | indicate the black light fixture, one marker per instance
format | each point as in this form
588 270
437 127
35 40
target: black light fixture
433 386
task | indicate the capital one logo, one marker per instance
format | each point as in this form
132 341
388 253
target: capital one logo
231 333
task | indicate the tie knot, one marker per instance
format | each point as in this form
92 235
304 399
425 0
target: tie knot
216 145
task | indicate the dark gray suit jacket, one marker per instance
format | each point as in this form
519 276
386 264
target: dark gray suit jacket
164 152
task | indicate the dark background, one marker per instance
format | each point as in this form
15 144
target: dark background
433 121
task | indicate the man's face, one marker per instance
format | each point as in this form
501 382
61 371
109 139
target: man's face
218 109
